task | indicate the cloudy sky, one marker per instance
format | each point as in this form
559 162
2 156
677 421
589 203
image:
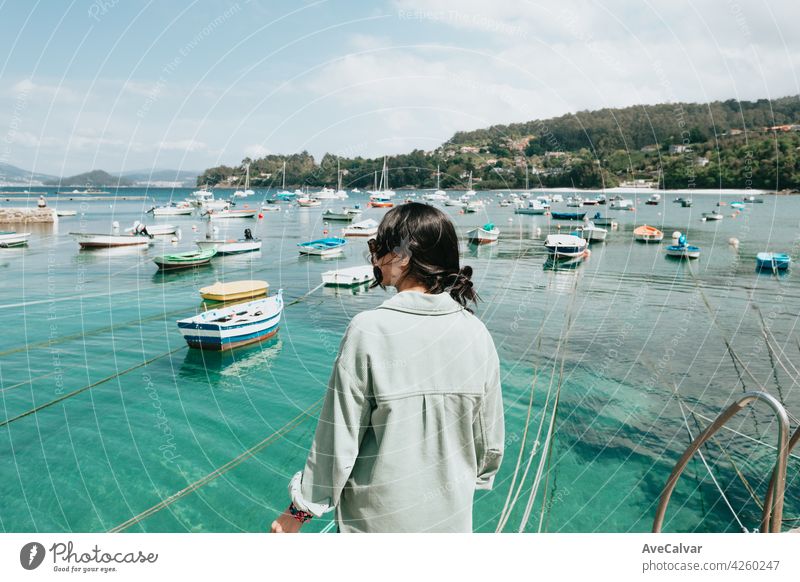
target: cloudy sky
135 84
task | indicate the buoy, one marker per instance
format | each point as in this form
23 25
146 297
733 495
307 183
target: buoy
194 227
115 224
510 219
676 234
174 240
260 215
325 231
538 231
734 242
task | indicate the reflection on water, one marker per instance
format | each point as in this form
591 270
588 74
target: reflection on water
255 359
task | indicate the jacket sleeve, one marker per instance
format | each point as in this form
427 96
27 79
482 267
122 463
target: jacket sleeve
342 423
490 427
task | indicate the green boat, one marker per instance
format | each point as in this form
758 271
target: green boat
185 260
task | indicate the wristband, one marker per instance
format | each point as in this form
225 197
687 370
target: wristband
299 515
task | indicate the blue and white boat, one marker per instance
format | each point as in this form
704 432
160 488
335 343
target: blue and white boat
565 246
773 261
322 247
567 215
231 327
737 205
682 250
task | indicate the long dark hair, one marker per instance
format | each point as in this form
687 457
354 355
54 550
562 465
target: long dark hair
426 235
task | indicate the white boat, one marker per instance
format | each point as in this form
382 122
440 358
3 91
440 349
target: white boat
232 213
654 200
231 327
453 202
10 238
556 198
382 190
349 276
247 191
343 214
647 234
62 213
171 210
325 194
488 233
94 240
154 229
575 201
683 250
470 192
621 204
367 227
533 207
322 247
271 208
440 195
284 193
470 207
198 197
592 233
713 215
565 245
232 246
308 202
340 193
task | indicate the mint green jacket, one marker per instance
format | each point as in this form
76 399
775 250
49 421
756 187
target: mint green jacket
412 421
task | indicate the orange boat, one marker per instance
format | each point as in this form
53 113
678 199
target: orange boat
647 234
380 204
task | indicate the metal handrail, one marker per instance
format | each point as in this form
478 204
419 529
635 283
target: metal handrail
773 509
770 490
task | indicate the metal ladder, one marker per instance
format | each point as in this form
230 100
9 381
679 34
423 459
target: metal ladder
772 514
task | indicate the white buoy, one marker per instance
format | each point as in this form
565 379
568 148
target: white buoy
115 225
734 242
194 227
676 234
174 240
538 231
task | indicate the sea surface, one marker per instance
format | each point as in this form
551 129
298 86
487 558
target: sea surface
624 356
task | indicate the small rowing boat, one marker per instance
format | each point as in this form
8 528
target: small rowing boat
565 245
10 238
230 213
308 202
349 277
232 246
534 207
713 215
647 234
654 200
344 214
63 213
234 290
154 229
591 233
93 240
773 261
322 247
682 250
367 227
601 220
230 327
171 210
184 260
488 233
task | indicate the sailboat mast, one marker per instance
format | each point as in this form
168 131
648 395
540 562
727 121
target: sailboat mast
526 177
438 178
385 177
284 175
338 175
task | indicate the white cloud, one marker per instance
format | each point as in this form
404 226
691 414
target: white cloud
256 150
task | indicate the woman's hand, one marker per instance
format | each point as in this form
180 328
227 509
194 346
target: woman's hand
286 523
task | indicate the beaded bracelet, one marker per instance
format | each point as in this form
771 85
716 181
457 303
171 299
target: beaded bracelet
299 515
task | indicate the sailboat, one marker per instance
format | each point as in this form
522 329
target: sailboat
440 194
284 193
381 197
340 193
247 191
470 192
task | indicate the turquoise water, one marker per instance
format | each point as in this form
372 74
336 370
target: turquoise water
619 334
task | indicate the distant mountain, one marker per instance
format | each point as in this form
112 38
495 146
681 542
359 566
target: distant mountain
94 179
14 176
188 177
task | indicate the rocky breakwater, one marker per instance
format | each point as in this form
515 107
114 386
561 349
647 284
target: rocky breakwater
22 215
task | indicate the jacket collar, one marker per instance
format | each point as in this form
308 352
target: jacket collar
422 303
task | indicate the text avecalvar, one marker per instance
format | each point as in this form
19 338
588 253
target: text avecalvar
671 549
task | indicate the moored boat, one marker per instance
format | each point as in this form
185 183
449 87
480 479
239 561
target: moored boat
591 233
367 227
10 238
773 261
231 327
154 229
171 210
567 215
62 213
322 247
93 240
349 276
232 246
647 234
488 233
654 200
232 213
601 220
344 214
234 290
565 245
683 250
713 215
307 202
184 260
